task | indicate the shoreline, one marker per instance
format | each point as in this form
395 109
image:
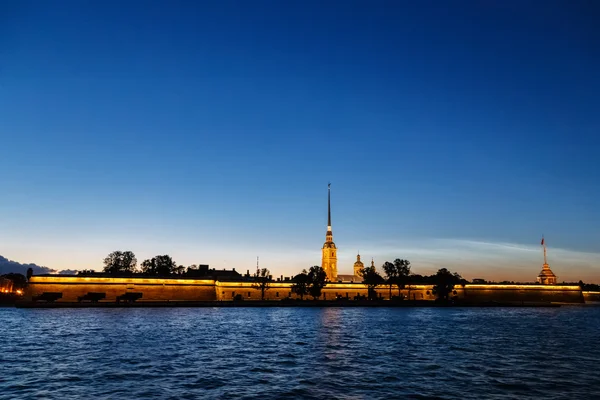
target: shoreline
285 304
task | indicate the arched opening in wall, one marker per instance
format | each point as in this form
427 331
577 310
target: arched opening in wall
276 294
232 294
248 294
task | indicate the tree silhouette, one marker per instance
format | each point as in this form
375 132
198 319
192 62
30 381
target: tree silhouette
120 262
29 273
317 278
391 274
262 281
403 271
301 284
159 265
371 279
444 284
180 270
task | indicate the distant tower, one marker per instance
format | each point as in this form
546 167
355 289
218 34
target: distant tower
358 265
546 277
329 259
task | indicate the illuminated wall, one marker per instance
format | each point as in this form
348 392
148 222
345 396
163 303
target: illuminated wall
281 290
591 296
151 289
154 289
524 293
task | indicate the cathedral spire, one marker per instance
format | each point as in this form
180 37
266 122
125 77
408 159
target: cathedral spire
329 207
329 251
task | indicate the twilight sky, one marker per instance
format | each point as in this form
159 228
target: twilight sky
454 134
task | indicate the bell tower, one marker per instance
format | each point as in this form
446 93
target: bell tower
358 266
329 255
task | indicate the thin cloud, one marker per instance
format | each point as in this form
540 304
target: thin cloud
7 266
489 260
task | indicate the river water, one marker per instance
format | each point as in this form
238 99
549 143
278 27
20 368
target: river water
328 353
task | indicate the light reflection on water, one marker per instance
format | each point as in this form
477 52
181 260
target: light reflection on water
300 353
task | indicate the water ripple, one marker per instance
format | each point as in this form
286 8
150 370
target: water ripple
299 353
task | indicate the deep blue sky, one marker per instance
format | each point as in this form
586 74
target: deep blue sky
209 131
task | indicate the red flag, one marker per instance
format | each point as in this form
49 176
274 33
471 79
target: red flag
542 241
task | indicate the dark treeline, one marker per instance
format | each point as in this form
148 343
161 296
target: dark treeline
395 276
124 263
398 275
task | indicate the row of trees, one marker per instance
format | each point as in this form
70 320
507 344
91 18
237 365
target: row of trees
125 263
306 283
398 274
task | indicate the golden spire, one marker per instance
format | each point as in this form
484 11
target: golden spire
329 234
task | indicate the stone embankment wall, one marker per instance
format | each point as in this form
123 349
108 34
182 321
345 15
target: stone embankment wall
521 293
281 290
591 296
152 289
173 289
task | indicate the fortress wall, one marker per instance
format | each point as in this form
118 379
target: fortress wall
280 290
591 296
151 289
156 289
526 293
